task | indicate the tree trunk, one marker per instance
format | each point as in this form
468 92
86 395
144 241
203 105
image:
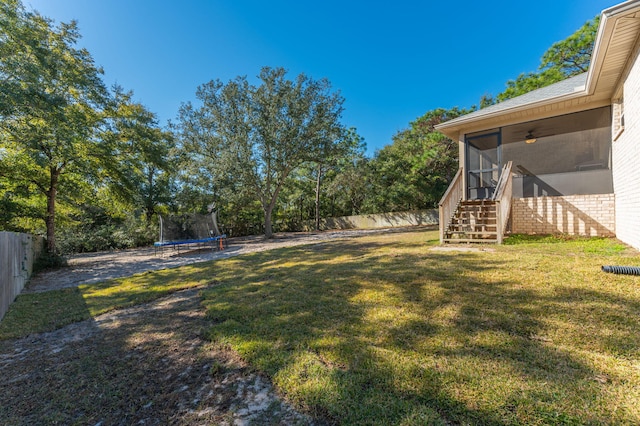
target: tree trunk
268 211
150 208
211 208
318 181
268 228
50 218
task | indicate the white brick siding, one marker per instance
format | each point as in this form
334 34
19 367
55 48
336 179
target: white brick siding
589 215
626 161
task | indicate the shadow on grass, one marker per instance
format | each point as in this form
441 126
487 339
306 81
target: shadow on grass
381 333
51 310
142 366
34 312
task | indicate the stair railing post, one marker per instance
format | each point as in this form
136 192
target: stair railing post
441 224
498 222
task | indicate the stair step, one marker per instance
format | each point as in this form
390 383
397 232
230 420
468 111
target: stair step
475 212
478 207
474 219
468 240
473 224
478 202
466 209
478 219
455 227
473 232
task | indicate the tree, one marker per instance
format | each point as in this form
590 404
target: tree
572 55
140 170
256 136
414 171
52 103
350 185
347 147
563 59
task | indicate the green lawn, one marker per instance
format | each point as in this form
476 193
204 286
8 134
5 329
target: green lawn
39 312
383 330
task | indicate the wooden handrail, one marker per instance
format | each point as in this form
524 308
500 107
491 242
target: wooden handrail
451 187
449 202
502 196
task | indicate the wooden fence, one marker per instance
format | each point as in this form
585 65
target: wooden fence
17 254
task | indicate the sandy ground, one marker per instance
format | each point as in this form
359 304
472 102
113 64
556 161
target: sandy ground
147 364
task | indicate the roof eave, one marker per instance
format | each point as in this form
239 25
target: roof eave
605 30
450 128
608 19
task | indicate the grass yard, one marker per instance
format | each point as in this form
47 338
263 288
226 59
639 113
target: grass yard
383 330
40 312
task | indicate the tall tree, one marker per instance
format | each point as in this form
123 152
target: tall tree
53 100
347 147
572 55
141 170
258 135
414 171
563 59
349 185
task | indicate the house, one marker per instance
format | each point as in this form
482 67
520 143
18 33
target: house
561 159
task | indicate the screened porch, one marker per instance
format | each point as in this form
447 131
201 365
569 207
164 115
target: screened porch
558 156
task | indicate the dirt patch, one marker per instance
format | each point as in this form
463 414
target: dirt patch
143 365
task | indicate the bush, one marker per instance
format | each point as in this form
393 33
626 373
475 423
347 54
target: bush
48 261
95 230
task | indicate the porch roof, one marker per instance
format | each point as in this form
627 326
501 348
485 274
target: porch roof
617 36
563 88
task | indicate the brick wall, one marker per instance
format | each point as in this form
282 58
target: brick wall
590 215
625 159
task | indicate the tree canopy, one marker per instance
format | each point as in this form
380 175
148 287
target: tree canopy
257 136
64 136
563 59
53 104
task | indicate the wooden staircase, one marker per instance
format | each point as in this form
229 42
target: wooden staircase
474 221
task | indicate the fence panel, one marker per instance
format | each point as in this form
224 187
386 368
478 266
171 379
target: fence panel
17 255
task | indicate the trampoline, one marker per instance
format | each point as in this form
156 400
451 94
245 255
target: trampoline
187 231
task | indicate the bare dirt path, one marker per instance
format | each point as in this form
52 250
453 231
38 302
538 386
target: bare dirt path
143 365
148 364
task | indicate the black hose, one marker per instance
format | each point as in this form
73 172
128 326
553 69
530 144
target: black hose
625 270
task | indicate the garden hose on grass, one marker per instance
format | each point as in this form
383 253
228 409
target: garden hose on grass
624 270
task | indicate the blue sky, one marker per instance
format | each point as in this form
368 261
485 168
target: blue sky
391 60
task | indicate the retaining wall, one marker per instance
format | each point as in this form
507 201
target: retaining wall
380 220
17 255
